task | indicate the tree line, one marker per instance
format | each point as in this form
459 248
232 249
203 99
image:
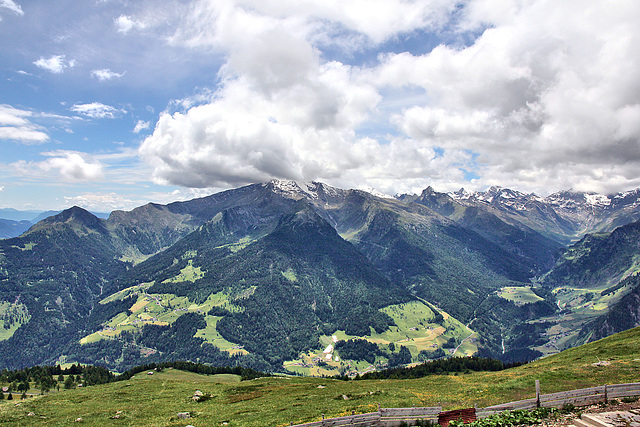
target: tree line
439 367
46 378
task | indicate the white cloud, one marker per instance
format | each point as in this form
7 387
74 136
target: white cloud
544 96
545 91
110 201
55 64
12 6
126 23
105 74
12 116
97 110
140 126
227 23
378 20
70 166
282 111
1 187
298 124
16 126
101 202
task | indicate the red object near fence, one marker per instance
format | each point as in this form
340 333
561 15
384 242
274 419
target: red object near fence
466 415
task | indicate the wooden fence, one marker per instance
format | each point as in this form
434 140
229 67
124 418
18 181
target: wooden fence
390 417
581 397
384 417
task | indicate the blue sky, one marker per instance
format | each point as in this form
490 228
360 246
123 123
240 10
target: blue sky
109 104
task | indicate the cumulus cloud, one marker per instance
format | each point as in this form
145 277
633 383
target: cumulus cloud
16 126
70 166
227 22
124 24
140 126
55 64
546 88
542 96
105 74
298 123
302 118
12 6
97 110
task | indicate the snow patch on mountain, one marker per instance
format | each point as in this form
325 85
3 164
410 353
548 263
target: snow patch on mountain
597 199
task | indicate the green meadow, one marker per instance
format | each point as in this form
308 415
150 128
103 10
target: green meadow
415 328
156 400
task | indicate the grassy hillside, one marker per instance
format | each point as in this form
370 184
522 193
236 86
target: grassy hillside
154 400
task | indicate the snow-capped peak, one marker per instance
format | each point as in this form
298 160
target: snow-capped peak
377 193
461 194
297 190
285 187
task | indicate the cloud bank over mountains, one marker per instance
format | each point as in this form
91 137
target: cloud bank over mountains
546 96
149 97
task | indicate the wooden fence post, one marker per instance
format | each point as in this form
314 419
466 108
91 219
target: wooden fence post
537 393
606 394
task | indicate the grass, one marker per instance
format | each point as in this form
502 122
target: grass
27 246
519 295
188 274
211 335
164 309
580 306
20 316
413 330
155 400
290 275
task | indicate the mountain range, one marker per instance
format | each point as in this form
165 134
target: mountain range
281 275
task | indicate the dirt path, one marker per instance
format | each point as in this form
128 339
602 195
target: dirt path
461 342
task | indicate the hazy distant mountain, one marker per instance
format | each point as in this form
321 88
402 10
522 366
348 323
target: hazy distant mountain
10 228
15 222
17 215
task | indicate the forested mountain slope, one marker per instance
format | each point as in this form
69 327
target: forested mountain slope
274 272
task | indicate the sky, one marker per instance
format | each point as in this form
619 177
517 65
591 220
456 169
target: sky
110 104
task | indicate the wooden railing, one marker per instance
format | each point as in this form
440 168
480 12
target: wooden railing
581 397
388 417
384 417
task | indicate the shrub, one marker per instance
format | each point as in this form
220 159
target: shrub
510 418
